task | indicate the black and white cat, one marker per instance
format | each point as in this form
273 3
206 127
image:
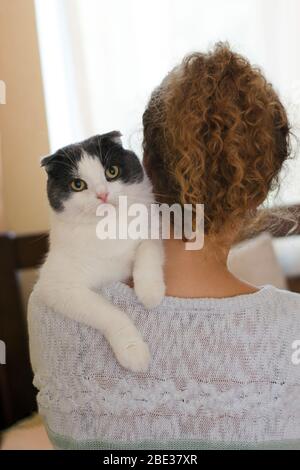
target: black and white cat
80 177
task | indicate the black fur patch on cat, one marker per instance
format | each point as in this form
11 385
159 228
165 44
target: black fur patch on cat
62 166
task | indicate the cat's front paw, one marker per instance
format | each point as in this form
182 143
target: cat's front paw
150 292
134 356
131 352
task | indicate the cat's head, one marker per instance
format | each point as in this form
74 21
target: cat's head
98 170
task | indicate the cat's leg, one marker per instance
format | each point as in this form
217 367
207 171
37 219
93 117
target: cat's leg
85 306
148 276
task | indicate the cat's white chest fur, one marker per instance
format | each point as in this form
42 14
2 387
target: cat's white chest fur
89 259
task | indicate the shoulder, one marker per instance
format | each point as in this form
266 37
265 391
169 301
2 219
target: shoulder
288 302
282 309
288 312
267 297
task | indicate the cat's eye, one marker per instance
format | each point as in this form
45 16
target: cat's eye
112 172
78 185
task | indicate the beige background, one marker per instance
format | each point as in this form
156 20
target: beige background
23 128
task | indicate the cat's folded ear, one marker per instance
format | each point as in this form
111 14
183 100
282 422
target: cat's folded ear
47 160
113 136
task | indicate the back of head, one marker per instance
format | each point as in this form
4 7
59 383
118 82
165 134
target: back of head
215 133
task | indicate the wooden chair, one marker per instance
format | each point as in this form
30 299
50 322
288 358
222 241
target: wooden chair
17 394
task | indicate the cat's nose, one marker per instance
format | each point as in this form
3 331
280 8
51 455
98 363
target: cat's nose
102 196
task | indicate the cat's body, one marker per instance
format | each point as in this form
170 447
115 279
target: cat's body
78 262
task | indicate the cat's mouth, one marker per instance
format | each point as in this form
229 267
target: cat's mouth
107 203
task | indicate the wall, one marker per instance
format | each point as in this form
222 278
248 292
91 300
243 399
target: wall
23 128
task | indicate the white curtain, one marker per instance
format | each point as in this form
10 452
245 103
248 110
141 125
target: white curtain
101 59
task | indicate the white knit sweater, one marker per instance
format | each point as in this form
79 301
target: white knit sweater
221 375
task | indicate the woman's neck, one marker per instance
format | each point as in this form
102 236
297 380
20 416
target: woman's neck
201 273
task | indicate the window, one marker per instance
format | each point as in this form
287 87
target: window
102 59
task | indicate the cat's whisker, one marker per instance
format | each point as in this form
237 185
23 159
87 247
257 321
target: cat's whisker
65 164
137 199
107 156
68 156
73 157
100 147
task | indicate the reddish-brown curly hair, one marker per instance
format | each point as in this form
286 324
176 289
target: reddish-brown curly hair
215 132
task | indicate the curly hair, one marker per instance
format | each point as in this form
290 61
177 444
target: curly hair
216 133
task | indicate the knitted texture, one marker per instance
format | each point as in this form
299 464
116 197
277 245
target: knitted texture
221 370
